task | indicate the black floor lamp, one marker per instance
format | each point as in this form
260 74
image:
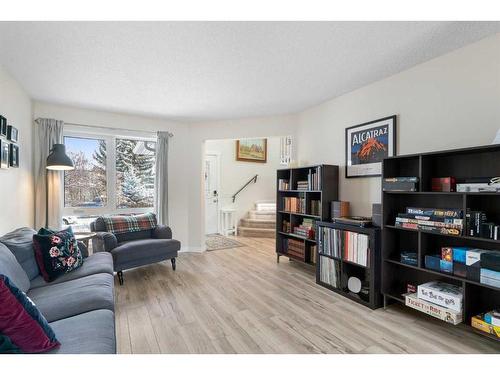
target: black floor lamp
56 161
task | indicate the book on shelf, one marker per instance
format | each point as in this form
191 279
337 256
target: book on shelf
286 226
478 322
351 246
329 271
315 207
283 184
440 212
294 204
313 181
313 250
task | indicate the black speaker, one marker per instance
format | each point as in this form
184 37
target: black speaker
377 214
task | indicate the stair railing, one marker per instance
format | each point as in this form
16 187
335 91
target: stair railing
253 179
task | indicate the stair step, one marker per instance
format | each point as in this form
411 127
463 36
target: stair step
264 215
258 223
265 206
256 232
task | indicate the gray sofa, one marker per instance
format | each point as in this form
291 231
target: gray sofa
135 249
79 306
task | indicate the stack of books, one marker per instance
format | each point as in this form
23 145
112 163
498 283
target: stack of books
315 207
435 220
306 229
303 185
438 299
283 184
294 204
329 271
295 248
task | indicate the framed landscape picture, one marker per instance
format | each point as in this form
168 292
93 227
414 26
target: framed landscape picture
252 150
367 144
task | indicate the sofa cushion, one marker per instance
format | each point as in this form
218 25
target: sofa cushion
94 264
57 253
22 322
70 298
89 333
138 253
20 242
10 267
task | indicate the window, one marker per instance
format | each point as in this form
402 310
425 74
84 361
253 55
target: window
134 173
112 175
85 186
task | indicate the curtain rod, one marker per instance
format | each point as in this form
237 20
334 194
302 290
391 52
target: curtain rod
115 129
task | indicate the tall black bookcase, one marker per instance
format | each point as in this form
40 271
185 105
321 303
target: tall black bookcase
326 192
369 274
461 163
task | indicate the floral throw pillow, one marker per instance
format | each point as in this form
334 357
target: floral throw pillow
56 253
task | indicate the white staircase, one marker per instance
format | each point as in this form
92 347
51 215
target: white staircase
259 222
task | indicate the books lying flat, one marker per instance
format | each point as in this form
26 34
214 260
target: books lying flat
436 311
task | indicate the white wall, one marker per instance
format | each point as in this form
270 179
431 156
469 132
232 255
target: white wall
234 174
177 151
16 184
228 129
449 102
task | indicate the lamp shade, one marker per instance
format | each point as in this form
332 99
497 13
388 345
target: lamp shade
58 160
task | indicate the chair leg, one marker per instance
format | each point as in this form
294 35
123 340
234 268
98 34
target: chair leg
120 277
173 263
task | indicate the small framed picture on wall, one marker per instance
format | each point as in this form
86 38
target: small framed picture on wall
367 145
4 154
12 134
14 156
3 127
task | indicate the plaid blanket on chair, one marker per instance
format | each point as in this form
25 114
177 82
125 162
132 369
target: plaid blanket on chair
133 223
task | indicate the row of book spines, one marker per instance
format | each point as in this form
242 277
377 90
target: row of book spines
345 243
329 271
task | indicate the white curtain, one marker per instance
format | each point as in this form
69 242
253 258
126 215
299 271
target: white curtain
48 133
161 177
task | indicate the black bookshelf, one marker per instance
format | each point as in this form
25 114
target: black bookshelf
460 163
369 274
326 192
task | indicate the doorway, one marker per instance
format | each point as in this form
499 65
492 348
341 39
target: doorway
212 182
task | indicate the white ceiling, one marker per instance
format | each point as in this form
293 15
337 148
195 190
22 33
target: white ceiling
217 70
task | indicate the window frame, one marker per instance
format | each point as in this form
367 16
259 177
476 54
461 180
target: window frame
111 203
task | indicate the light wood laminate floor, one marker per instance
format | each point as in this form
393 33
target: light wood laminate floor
241 301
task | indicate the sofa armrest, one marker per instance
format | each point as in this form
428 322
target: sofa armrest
104 241
83 249
162 232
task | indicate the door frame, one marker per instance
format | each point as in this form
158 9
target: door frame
217 155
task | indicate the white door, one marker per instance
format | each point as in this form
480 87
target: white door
211 194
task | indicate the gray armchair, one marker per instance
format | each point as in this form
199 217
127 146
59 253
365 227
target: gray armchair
135 249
